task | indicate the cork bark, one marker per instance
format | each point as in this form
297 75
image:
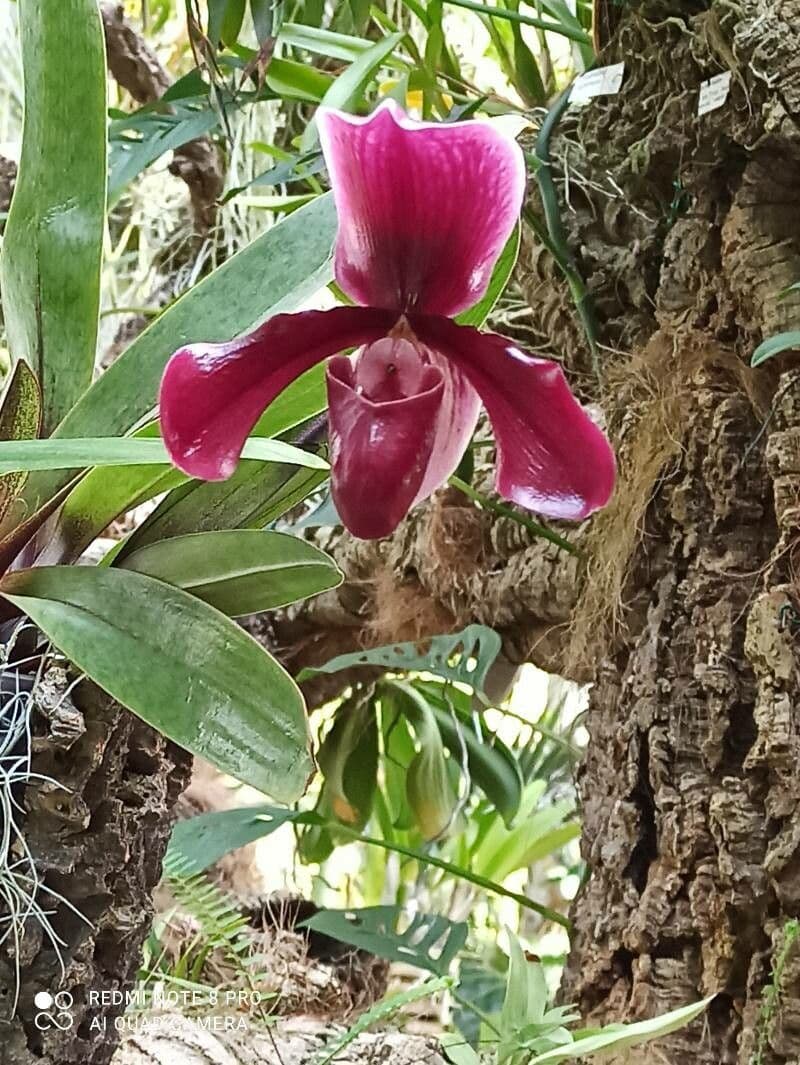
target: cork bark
98 837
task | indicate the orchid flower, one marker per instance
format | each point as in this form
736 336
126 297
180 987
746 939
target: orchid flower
424 210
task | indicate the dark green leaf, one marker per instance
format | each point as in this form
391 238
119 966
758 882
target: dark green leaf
200 842
53 237
136 141
107 492
225 19
492 765
239 571
428 941
267 16
255 495
465 656
179 664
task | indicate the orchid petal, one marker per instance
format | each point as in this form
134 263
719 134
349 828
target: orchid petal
424 208
213 394
552 458
380 449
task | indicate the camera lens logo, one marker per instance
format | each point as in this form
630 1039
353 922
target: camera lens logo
55 1011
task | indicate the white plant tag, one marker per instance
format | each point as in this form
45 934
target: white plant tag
603 81
714 93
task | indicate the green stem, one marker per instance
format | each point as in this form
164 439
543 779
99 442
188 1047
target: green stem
465 874
527 20
507 512
555 227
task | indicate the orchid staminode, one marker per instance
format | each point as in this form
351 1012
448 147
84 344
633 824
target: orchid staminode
424 210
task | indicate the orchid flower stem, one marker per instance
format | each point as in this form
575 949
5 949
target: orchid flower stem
557 242
507 512
483 1017
457 870
527 20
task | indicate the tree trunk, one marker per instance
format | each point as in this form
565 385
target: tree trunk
97 837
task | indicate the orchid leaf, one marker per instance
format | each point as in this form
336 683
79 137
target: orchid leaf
72 454
239 571
255 495
182 666
775 345
53 237
346 91
275 273
107 491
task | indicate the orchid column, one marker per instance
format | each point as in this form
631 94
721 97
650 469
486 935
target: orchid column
424 211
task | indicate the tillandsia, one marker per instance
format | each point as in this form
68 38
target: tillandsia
424 210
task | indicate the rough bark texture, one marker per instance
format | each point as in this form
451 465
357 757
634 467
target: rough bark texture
98 839
686 230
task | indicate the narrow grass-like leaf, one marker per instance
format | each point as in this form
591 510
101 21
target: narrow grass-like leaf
72 454
618 1037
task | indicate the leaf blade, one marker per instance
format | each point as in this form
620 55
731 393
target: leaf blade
180 665
239 571
53 239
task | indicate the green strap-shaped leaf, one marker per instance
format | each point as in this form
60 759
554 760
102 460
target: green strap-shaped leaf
108 491
275 273
76 454
346 91
772 346
53 238
239 571
182 666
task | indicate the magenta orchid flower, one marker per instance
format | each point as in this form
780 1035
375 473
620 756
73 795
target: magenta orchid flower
424 211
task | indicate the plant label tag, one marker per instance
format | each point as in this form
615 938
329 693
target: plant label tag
714 93
603 81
